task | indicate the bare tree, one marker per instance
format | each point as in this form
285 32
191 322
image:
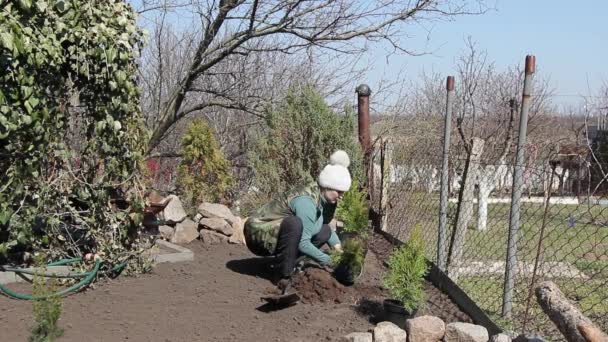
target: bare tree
595 139
234 29
233 100
488 107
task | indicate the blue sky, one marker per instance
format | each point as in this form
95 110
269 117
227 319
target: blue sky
569 39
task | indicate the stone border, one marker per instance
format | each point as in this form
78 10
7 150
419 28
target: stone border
181 254
12 277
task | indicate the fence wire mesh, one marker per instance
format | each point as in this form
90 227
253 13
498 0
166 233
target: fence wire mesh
563 226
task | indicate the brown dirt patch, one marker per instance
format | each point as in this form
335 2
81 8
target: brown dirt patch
316 285
215 297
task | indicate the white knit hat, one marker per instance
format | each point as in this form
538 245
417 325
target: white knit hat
335 176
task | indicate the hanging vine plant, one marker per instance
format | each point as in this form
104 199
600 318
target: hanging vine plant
72 137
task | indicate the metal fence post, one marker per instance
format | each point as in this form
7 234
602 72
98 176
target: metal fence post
443 205
363 92
514 218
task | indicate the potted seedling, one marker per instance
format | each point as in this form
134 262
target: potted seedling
405 279
353 212
349 263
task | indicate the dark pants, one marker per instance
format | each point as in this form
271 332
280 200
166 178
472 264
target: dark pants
287 251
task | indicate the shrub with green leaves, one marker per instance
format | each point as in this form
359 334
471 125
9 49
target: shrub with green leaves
406 270
353 210
72 138
302 132
204 173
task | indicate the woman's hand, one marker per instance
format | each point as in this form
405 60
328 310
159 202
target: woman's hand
338 248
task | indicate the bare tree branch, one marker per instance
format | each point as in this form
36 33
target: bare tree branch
232 28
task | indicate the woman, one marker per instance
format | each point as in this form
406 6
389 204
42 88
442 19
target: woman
296 223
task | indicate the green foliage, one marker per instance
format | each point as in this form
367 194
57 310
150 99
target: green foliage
250 202
407 268
204 173
302 133
353 210
69 175
46 311
352 255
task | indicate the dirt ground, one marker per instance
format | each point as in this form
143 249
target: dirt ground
216 297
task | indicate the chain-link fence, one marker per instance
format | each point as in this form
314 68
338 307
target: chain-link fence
557 228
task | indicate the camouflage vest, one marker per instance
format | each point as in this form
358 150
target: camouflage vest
262 228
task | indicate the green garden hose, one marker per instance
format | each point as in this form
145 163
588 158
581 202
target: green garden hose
87 278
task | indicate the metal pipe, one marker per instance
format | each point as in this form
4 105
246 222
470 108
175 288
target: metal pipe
443 205
514 217
363 92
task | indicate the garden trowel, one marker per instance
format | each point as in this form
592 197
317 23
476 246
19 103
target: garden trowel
287 297
282 300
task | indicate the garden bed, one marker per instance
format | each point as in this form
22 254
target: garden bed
216 297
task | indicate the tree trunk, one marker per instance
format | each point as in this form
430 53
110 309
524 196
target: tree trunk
465 208
485 189
386 159
569 320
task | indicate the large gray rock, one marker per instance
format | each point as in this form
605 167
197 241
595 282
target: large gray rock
358 337
465 332
185 232
212 210
217 224
238 236
174 211
425 329
166 232
209 237
389 332
500 338
155 203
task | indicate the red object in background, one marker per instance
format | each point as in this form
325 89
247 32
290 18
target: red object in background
153 166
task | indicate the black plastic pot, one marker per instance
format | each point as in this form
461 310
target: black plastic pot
395 312
345 275
344 236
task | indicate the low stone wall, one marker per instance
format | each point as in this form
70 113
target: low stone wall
431 329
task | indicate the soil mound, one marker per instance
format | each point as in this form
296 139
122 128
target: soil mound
315 285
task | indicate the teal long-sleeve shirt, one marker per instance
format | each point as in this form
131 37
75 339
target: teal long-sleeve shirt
313 217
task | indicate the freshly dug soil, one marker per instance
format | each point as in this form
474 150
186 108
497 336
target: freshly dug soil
216 297
316 285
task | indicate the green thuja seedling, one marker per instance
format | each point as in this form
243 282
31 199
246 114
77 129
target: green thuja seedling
407 268
353 255
46 311
353 210
349 263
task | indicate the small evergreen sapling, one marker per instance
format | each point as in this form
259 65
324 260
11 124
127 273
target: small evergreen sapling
407 268
46 311
353 210
349 263
204 173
